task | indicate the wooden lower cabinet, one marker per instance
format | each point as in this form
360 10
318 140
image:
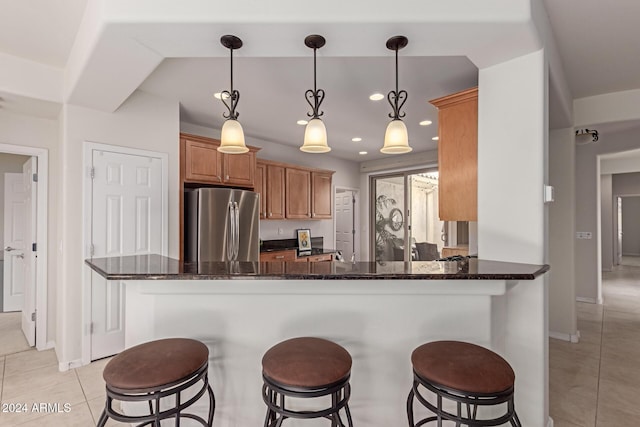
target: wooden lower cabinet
455 250
282 256
320 258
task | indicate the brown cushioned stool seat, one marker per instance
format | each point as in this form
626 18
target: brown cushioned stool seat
306 367
466 374
156 370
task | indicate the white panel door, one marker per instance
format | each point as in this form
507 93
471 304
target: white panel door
127 218
29 169
344 224
14 242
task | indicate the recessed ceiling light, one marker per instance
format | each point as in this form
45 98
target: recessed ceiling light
425 122
302 122
362 153
376 97
356 139
218 95
435 138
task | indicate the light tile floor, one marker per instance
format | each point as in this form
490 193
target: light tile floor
594 383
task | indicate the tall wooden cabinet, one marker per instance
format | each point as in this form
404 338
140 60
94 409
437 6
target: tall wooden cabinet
298 200
321 195
458 156
271 190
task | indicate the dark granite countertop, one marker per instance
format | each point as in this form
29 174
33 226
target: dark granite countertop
157 267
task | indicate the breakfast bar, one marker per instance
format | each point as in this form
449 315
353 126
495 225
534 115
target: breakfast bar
379 312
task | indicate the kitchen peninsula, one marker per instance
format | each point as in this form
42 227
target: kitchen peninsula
378 312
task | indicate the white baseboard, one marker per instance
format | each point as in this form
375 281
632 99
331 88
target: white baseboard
65 366
49 345
585 299
574 338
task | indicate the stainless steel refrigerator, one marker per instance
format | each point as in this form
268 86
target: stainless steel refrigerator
221 225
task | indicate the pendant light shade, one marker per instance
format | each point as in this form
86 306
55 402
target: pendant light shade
232 137
315 134
396 138
315 137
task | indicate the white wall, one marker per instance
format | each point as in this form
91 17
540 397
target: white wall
587 183
606 222
30 131
512 140
626 184
9 163
631 226
144 122
347 175
562 283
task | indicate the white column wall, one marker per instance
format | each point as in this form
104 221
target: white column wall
143 121
512 139
562 226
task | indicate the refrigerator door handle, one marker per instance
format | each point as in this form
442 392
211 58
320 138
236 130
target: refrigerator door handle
230 239
236 247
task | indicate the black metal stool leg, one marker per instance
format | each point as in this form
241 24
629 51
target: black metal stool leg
410 407
103 419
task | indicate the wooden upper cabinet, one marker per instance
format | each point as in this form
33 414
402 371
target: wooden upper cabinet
261 187
275 192
203 163
458 156
239 169
298 194
321 195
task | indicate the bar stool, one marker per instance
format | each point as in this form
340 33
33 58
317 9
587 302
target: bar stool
157 370
460 374
306 368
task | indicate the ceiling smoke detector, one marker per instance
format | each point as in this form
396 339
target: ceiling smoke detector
586 136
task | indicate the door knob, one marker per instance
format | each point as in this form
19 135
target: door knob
9 249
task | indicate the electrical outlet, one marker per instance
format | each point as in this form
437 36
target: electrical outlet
584 235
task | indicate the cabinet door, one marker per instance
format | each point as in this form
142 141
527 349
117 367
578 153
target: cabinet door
275 192
321 195
458 156
203 162
298 195
260 187
239 169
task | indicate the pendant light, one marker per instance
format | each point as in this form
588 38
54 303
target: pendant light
232 137
315 134
396 138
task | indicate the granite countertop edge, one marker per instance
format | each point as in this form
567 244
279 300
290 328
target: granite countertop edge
163 268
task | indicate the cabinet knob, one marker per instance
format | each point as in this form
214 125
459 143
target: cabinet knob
226 177
313 215
270 214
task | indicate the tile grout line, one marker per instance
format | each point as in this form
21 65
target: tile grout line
4 364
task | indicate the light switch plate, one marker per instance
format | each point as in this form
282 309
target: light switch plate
548 193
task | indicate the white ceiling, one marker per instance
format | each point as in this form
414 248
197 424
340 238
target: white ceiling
599 43
272 95
598 46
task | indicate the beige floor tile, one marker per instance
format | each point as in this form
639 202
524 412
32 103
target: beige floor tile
29 360
42 385
617 395
2 358
96 406
90 377
560 422
573 351
615 417
77 416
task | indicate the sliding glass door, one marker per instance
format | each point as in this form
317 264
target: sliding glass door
405 209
